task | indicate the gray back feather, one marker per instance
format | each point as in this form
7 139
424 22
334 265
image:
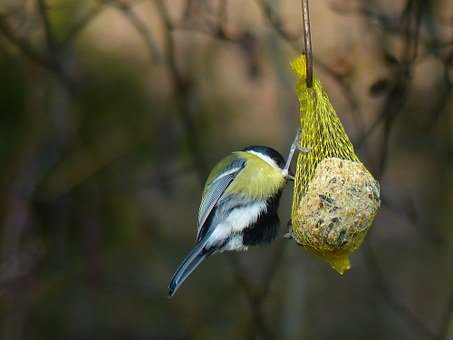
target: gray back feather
215 189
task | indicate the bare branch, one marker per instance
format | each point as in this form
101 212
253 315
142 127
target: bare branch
277 24
48 60
142 29
401 309
50 41
22 44
446 320
86 19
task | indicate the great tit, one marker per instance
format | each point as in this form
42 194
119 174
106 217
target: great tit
238 206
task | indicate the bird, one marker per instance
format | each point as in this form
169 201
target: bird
239 205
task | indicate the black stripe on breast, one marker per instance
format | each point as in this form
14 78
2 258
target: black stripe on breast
265 229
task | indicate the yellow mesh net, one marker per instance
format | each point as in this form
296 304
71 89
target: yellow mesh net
324 136
322 131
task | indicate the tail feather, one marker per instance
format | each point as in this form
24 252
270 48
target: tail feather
188 265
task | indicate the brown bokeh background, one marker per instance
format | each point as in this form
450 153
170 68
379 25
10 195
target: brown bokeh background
113 111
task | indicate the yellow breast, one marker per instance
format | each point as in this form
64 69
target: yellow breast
258 179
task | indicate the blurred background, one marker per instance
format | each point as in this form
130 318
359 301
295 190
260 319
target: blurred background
112 113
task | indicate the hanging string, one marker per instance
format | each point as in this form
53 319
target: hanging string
307 42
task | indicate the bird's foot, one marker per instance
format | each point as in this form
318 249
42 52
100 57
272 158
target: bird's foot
289 234
303 150
294 146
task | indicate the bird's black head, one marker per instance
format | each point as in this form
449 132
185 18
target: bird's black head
268 152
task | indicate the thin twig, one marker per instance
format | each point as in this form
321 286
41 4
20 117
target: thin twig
446 320
47 61
83 22
48 32
401 309
182 89
142 29
23 45
307 42
291 39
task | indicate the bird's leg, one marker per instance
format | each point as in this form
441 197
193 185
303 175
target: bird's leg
289 234
292 150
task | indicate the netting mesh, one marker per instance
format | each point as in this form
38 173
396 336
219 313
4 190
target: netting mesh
322 131
334 203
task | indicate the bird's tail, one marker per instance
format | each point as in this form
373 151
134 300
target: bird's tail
188 265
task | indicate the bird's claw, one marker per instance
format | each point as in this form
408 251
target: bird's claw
295 146
297 142
303 149
289 234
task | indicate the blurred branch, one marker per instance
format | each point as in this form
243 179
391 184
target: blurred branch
397 95
212 313
85 163
277 24
141 28
50 41
447 320
445 95
396 99
183 93
49 60
83 22
401 309
257 294
46 61
390 24
407 210
292 39
23 45
182 89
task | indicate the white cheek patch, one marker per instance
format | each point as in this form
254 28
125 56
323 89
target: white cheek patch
265 158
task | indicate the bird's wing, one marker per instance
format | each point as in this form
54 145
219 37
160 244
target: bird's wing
219 180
